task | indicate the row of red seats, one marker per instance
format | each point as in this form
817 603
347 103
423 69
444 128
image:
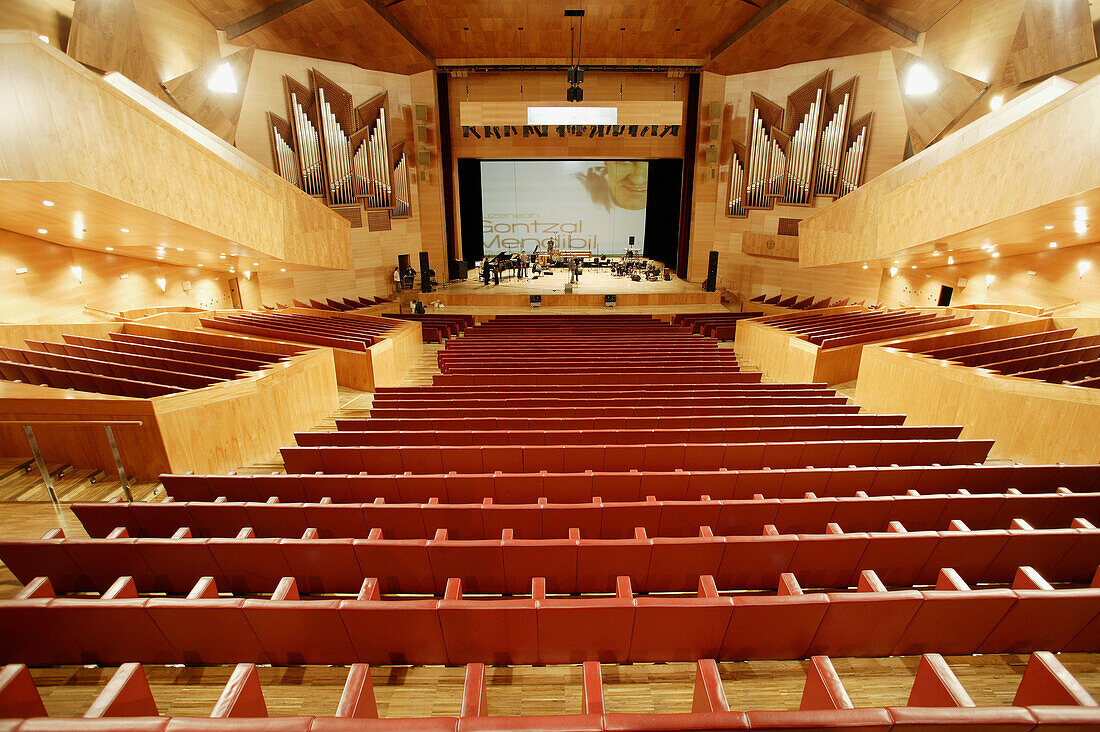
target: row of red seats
832 331
632 485
114 369
298 328
1047 697
82 381
572 458
247 564
721 325
230 358
799 303
284 629
563 378
725 398
747 405
594 519
177 363
747 418
630 436
435 327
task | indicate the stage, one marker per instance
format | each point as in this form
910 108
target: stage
513 295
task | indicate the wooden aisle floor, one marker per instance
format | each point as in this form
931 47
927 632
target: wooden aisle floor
402 691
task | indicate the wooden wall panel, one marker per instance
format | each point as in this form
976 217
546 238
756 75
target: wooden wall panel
543 86
770 245
1056 282
918 14
50 18
887 216
106 35
373 254
50 292
217 111
111 138
746 276
1061 425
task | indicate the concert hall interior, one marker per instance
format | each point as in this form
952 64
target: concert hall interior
558 366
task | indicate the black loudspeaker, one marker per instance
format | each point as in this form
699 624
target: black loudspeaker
536 301
458 270
631 242
945 296
425 278
609 301
712 273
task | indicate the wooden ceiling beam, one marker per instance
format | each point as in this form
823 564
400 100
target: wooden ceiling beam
858 6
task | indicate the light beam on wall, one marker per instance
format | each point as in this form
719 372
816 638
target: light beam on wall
222 80
78 273
572 115
920 81
162 284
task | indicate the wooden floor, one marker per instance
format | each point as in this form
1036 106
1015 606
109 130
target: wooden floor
403 691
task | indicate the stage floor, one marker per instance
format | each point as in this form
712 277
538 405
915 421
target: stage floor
592 282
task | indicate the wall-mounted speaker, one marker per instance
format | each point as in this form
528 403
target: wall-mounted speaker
714 110
421 111
712 155
536 301
422 133
425 278
609 301
713 133
423 158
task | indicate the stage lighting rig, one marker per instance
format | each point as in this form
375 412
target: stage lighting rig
575 75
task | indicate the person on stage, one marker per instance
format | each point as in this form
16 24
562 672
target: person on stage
485 270
522 271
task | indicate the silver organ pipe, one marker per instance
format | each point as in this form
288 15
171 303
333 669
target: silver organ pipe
853 164
736 204
802 151
375 198
832 140
387 168
777 167
756 162
309 150
341 186
286 158
401 187
360 165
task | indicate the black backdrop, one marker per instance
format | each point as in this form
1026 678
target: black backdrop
662 210
662 215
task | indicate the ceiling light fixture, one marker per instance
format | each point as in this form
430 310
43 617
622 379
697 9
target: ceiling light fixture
179 249
996 102
996 254
125 231
43 231
47 203
20 270
110 249
1048 227
1053 245
123 276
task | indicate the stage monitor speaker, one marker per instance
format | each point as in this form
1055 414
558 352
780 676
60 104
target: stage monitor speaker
609 301
425 278
536 301
458 270
712 273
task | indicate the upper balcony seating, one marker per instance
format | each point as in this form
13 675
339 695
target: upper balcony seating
335 332
845 329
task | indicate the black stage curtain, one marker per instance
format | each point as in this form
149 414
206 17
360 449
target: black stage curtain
662 210
469 206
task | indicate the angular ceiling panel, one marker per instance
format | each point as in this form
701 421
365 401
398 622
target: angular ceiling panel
933 96
206 95
1052 35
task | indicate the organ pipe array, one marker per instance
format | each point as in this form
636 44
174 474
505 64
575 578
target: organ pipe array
338 152
793 155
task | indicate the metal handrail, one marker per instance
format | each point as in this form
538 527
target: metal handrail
28 430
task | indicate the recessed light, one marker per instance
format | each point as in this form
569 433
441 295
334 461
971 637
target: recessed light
20 270
1048 227
43 231
123 276
1053 245
912 266
996 102
110 249
935 254
284 268
996 254
160 256
255 264
44 39
199 264
47 203
950 260
179 249
125 231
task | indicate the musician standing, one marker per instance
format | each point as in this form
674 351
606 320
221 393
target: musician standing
485 270
522 264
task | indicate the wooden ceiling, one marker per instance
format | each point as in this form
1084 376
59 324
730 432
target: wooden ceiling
726 36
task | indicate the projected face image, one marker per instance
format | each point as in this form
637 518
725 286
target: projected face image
629 183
